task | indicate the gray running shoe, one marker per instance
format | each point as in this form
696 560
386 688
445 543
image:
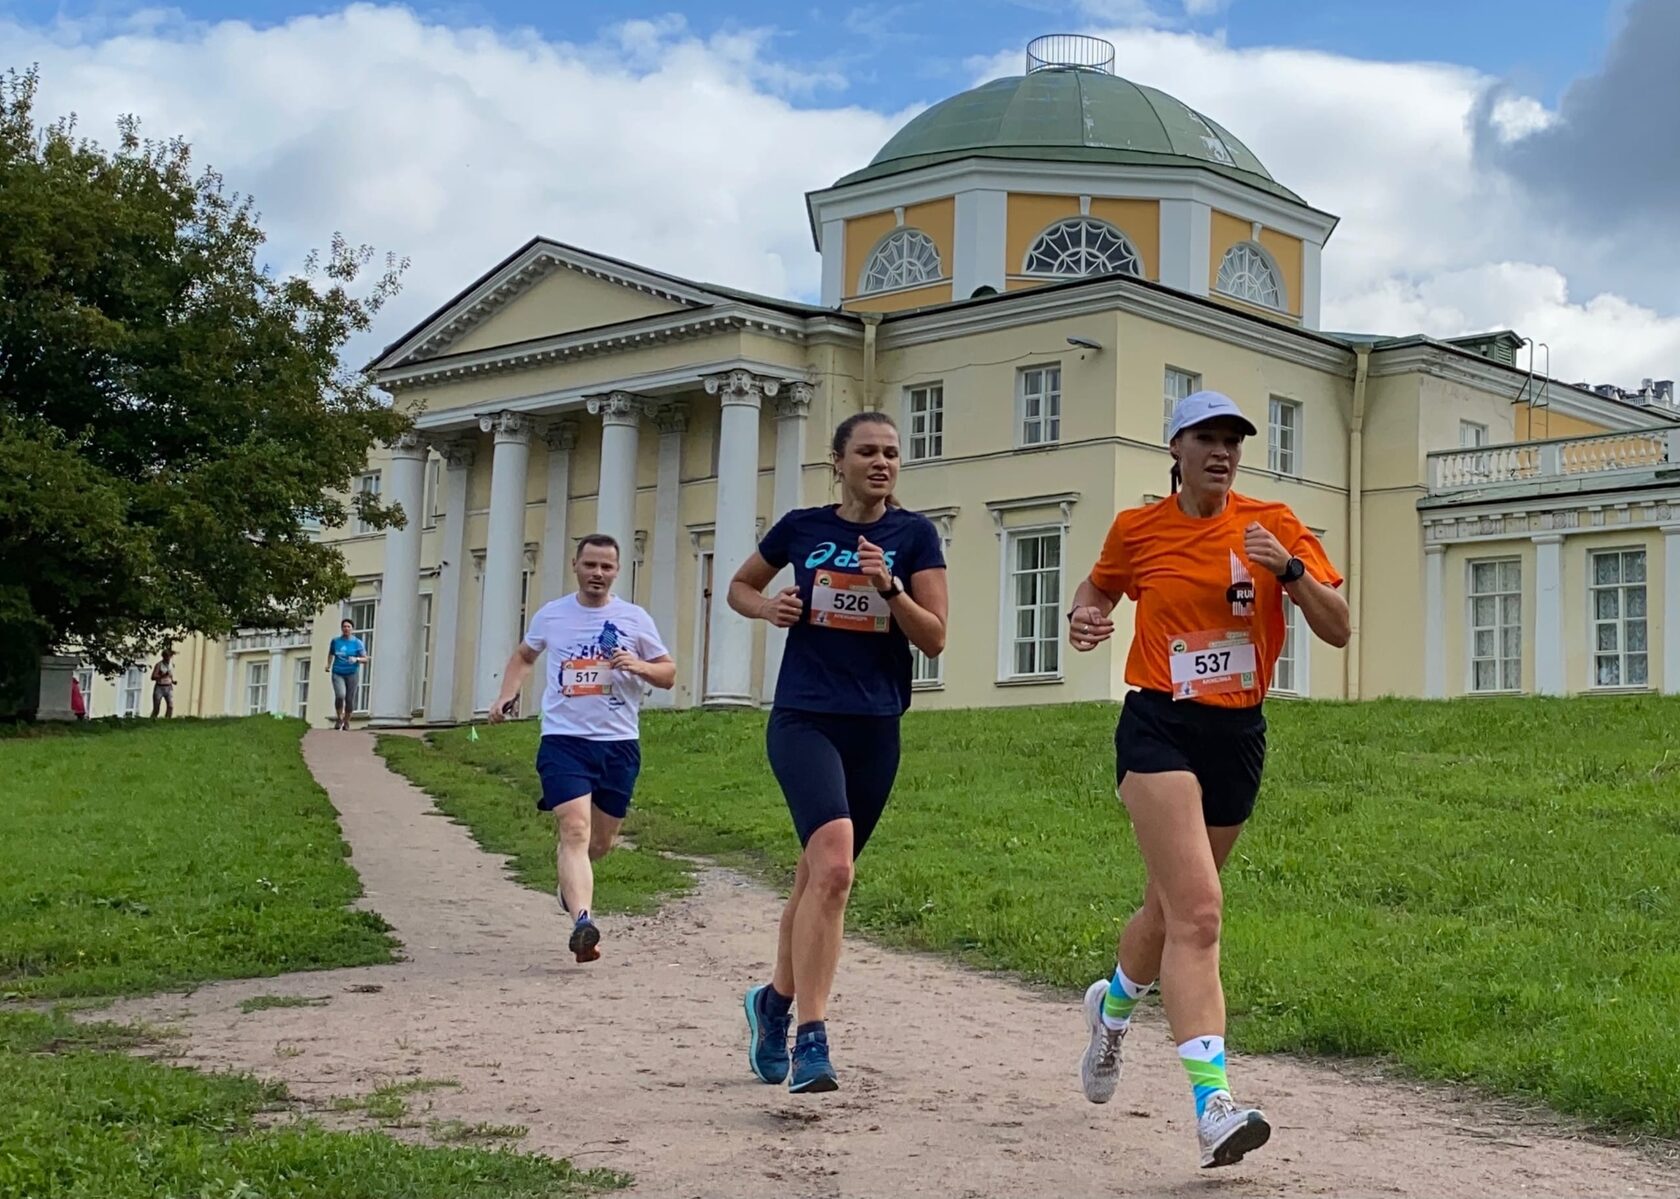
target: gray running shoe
1099 1071
1226 1132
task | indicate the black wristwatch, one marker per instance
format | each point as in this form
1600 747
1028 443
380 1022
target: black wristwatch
892 592
1293 571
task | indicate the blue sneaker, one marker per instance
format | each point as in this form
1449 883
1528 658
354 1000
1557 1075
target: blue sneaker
767 1050
811 1069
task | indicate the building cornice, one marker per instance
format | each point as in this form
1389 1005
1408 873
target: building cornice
1127 296
1114 181
1651 508
626 336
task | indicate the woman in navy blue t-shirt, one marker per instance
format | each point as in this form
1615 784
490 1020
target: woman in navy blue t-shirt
868 582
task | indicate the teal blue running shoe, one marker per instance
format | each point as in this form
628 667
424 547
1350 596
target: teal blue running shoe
767 1048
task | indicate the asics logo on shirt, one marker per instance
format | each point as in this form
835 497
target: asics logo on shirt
842 559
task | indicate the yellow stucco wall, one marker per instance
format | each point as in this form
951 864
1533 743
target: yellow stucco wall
1226 231
1140 221
1542 423
936 218
562 302
899 301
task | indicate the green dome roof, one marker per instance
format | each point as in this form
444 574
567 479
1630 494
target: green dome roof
1068 115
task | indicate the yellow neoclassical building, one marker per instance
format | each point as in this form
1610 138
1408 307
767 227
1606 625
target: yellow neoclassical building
1026 277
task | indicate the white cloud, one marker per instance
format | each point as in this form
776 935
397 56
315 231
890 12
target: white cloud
454 145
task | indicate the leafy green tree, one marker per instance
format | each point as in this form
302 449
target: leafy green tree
173 417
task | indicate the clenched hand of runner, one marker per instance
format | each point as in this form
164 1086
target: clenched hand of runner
784 608
873 563
1089 627
1263 549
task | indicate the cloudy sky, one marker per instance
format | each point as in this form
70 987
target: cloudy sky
1495 163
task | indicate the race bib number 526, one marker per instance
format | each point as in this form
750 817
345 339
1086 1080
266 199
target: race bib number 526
1212 662
848 601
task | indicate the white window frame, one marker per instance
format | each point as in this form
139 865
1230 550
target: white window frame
924 422
1621 588
1123 257
1265 269
1500 626
256 686
1009 610
361 701
1173 378
926 674
1281 460
430 493
300 687
133 689
916 254
422 675
1049 418
85 677
1296 651
1472 434
368 482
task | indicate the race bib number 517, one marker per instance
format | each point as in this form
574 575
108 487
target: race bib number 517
583 676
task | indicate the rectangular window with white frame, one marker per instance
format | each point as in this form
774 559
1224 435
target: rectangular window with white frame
1032 603
368 484
300 684
362 615
1283 440
1496 625
926 674
422 675
1289 677
1471 434
84 676
924 419
1176 386
1619 620
134 679
1038 402
429 496
256 687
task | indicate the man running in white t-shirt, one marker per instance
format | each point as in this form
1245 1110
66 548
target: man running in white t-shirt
603 652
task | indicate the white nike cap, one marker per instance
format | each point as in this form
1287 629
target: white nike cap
1201 406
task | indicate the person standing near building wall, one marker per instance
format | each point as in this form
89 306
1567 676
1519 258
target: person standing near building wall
163 684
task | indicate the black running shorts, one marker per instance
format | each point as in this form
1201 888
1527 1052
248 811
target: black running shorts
833 767
1225 748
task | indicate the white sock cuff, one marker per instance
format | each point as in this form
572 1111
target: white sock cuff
1202 1049
1133 990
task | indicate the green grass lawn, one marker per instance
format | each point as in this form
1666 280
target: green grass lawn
1479 891
140 856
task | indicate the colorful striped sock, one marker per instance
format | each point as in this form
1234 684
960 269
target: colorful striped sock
1123 995
1204 1062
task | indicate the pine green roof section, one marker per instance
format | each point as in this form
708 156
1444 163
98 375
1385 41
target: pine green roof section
1069 115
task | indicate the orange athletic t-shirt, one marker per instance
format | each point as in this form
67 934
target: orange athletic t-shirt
1187 576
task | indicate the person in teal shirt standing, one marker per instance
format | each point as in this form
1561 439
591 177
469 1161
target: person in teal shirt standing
347 653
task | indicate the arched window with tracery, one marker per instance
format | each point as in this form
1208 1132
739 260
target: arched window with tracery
1248 273
905 258
1082 246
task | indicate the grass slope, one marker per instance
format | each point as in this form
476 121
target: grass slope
1482 891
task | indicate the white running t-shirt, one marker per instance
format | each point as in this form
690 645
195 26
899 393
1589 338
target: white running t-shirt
583 696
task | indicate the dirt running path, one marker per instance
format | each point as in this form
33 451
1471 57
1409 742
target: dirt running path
636 1062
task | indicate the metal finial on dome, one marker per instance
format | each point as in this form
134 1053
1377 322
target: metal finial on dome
1070 52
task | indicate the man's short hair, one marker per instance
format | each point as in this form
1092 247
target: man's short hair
601 539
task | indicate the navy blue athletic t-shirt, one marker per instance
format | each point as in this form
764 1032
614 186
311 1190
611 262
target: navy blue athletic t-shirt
847 654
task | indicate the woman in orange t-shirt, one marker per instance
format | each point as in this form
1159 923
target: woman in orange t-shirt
1208 570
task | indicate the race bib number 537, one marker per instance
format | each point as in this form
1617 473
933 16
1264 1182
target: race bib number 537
1212 662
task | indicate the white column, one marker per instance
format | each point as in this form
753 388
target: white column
452 565
672 421
393 649
792 416
1671 610
230 684
1548 614
834 284
979 236
621 418
729 655
504 553
276 683
1434 623
561 436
